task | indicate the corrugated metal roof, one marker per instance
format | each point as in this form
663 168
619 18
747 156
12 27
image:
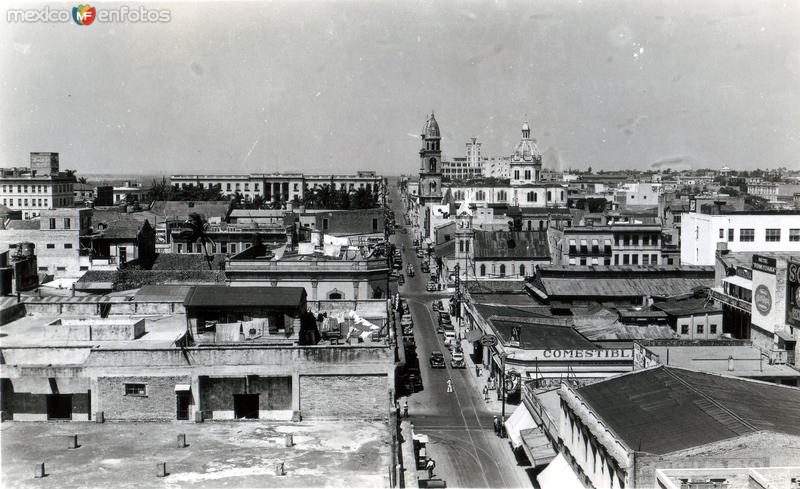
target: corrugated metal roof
223 296
540 336
162 293
622 286
667 409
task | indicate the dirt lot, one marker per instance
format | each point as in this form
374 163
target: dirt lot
220 454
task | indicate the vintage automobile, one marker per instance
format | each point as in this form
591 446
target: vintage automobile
401 280
425 267
406 320
444 318
437 305
437 360
431 287
457 359
420 254
449 337
410 270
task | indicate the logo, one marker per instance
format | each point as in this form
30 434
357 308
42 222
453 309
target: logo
83 14
763 300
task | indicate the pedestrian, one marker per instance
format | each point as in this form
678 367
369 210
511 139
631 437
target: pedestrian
405 408
430 466
496 424
486 393
449 385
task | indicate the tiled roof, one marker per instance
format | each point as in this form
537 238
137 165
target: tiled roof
26 224
687 306
223 296
666 409
124 228
162 293
505 244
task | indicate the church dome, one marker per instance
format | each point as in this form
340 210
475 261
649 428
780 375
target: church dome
526 149
431 128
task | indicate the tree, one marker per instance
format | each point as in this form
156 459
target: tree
195 230
82 180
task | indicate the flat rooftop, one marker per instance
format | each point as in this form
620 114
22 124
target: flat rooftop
220 454
29 331
747 360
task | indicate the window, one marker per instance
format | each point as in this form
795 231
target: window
461 246
480 195
700 328
634 259
794 235
607 247
584 246
635 240
747 235
374 225
50 246
626 259
483 270
583 260
773 235
516 174
135 390
572 247
180 248
522 270
684 329
84 268
616 259
42 269
502 196
67 223
531 196
645 259
228 187
654 259
549 195
61 269
721 233
502 270
626 240
527 174
730 234
607 261
712 329
224 247
646 240
595 246
233 248
67 246
324 224
572 261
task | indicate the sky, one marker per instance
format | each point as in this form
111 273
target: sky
342 86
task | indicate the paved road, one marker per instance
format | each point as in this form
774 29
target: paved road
458 424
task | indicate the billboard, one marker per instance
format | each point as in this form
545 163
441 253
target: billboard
793 293
765 313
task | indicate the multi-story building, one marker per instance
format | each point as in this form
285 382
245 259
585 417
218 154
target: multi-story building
465 168
37 188
638 195
84 193
616 243
130 191
745 231
276 187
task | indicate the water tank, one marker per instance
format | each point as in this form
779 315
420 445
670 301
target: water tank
6 276
27 248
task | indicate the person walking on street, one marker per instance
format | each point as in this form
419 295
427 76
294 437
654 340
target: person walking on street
496 424
405 408
449 385
430 466
486 393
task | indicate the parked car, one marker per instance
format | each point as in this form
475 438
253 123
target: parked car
397 265
406 320
416 243
401 279
437 360
444 317
394 274
425 267
437 305
431 287
457 359
449 337
413 380
420 253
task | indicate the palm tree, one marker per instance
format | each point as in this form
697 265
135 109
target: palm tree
363 199
323 197
82 180
195 229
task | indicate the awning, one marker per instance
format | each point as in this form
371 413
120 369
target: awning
520 420
32 385
183 387
739 281
537 447
474 335
559 475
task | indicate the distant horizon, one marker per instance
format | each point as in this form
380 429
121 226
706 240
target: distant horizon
332 87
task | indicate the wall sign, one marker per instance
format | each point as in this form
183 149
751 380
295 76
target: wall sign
600 354
765 264
763 300
793 294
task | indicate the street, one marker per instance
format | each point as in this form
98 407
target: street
459 424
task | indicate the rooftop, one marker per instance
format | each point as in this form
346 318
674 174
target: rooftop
666 409
533 336
223 296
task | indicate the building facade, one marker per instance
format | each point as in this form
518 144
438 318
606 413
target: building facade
36 188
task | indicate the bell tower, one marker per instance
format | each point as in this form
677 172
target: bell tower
430 168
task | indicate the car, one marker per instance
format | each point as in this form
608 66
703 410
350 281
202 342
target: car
397 265
394 274
420 254
457 359
437 360
406 320
437 306
416 243
449 337
408 330
444 317
431 287
425 268
401 279
413 380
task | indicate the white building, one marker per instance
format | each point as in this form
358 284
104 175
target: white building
742 231
37 188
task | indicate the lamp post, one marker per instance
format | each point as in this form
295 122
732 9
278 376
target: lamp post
503 381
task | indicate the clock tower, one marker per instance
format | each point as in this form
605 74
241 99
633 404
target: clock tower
430 168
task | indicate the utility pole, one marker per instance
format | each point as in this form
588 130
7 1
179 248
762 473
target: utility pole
458 301
503 380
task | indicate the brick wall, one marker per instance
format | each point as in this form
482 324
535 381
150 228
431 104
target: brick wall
275 393
344 396
159 403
